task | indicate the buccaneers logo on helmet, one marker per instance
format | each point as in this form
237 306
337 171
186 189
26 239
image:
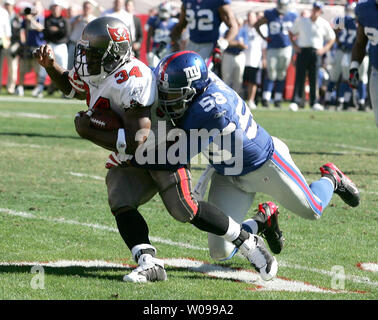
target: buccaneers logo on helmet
118 34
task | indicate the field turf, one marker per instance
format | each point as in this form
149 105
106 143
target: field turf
58 239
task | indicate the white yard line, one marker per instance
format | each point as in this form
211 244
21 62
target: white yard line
214 271
84 175
356 279
44 100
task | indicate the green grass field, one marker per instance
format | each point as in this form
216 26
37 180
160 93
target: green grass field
54 216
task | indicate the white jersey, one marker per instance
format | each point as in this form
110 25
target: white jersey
133 85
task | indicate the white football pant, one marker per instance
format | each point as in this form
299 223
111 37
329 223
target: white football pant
279 177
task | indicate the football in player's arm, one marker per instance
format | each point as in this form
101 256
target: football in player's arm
68 82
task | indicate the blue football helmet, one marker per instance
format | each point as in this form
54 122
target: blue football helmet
283 6
180 77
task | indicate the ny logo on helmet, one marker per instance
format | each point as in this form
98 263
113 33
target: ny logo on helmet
192 73
118 34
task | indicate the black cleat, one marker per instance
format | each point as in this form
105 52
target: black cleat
265 103
267 221
344 187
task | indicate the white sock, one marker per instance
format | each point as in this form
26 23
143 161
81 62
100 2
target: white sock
233 231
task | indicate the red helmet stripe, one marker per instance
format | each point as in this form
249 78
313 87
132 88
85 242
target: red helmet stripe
174 56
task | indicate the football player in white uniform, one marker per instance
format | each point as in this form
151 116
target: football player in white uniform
108 76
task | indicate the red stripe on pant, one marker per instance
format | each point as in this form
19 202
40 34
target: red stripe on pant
185 188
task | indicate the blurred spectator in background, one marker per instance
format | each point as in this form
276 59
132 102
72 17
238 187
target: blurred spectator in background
203 19
158 43
233 60
13 51
311 37
5 37
119 11
136 30
77 25
253 59
279 51
31 38
56 32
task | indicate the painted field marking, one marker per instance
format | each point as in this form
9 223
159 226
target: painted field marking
356 279
44 100
211 270
25 115
368 266
84 175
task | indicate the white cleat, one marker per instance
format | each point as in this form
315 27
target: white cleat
255 251
149 269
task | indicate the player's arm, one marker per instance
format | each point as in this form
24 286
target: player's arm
178 29
46 58
136 125
359 47
227 16
258 24
358 54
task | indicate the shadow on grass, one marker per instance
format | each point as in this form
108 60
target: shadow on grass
103 272
38 135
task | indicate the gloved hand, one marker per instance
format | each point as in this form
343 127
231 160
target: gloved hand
354 78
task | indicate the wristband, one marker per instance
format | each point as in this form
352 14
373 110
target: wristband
121 141
354 65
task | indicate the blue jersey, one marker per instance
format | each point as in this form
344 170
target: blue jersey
221 111
162 30
347 34
278 26
367 16
203 19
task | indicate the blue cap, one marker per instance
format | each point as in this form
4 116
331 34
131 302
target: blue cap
318 4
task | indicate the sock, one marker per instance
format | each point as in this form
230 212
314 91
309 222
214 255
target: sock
268 88
344 87
362 91
330 88
250 225
132 227
210 219
279 89
323 189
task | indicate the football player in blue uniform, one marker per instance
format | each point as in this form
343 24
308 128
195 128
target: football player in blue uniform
346 30
367 31
159 30
244 157
203 19
279 51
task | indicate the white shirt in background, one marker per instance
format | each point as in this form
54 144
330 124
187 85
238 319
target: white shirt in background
256 45
312 34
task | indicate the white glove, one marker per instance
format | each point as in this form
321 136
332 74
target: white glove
222 43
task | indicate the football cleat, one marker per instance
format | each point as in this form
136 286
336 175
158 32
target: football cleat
267 219
263 262
149 269
344 187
